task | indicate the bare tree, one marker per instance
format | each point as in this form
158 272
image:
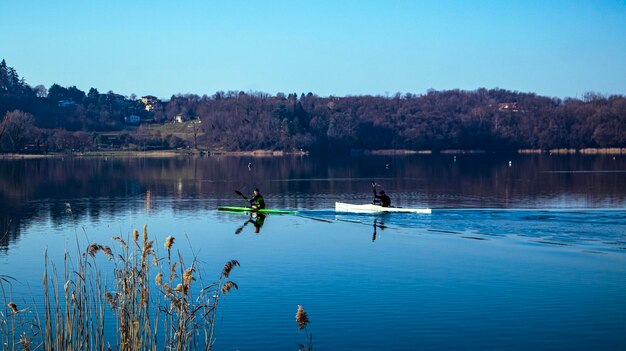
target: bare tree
15 129
40 91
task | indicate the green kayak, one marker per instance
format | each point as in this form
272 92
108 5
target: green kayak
250 209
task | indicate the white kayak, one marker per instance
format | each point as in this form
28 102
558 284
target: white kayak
371 208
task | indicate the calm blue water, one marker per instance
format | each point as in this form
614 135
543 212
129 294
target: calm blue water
509 259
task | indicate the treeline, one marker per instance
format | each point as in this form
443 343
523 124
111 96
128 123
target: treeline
61 118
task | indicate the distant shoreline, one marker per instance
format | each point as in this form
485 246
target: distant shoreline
151 153
273 153
585 151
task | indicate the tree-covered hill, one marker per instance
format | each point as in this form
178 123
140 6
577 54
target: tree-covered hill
60 118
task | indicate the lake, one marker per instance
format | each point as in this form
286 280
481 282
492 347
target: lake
520 252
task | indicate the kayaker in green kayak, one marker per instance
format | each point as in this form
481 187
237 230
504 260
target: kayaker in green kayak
257 202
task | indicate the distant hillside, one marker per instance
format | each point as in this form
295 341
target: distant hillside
38 119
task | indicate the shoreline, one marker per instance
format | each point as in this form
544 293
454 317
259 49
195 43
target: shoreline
583 151
152 153
278 153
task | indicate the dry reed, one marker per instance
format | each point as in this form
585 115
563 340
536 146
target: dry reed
13 307
228 267
303 320
81 302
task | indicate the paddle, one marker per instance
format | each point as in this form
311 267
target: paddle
240 194
244 197
238 230
374 190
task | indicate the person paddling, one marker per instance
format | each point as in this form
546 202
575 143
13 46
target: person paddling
257 202
381 198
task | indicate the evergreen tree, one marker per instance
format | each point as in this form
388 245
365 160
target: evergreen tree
10 81
93 94
4 76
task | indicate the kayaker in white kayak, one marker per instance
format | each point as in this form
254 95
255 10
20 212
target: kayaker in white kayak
381 198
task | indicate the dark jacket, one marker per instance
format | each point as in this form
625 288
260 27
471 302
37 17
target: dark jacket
258 202
384 200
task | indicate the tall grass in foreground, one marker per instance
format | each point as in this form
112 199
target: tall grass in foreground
152 302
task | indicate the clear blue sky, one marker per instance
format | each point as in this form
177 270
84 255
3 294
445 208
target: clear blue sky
554 48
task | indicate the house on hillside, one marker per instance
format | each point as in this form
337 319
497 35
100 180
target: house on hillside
132 119
150 102
508 106
66 103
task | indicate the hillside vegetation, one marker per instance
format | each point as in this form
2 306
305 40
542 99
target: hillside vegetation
40 119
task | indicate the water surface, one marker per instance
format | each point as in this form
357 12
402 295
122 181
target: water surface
530 255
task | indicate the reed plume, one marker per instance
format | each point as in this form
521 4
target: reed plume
173 274
147 250
228 267
301 318
167 289
13 307
107 251
117 238
93 248
229 285
169 241
188 276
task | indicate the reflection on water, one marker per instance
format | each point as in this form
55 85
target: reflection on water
34 189
527 256
377 225
256 219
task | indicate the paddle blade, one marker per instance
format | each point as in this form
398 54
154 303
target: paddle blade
240 194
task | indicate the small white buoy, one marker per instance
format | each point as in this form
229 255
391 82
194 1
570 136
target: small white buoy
454 158
510 163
